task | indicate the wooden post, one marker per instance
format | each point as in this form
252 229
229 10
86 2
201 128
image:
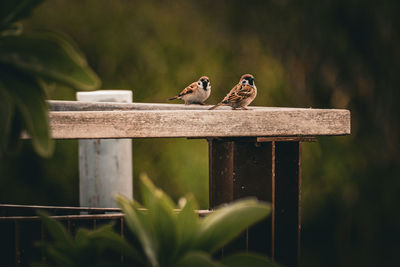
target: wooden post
105 165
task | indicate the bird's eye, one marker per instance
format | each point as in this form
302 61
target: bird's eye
244 81
199 83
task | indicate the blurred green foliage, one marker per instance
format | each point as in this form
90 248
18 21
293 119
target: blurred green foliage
162 235
326 54
28 62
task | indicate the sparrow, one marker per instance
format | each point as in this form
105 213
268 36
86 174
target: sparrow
241 95
196 92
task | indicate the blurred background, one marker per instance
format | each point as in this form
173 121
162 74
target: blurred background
320 54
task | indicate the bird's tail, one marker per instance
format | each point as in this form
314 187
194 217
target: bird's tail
217 105
172 98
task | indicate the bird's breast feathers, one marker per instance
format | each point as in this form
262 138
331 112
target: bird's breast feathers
239 93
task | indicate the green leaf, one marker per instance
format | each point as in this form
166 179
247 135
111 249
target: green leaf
59 257
81 237
197 259
49 56
248 259
12 29
164 222
107 239
188 223
137 223
30 102
55 229
11 11
226 223
162 219
151 194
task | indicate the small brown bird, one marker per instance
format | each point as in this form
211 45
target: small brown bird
195 93
241 95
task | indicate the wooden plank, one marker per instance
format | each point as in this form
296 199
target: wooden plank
61 105
198 123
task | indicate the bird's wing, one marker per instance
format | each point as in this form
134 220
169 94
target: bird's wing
238 93
189 90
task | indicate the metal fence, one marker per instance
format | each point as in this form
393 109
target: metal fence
21 228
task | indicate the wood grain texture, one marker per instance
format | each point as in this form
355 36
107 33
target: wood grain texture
61 105
258 122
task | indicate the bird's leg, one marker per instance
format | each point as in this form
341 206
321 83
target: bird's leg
244 108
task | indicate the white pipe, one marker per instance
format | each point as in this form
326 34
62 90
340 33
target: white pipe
105 165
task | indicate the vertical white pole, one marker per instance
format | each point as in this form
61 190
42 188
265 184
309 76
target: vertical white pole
105 165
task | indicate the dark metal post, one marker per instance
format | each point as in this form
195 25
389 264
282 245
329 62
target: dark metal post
269 171
238 169
287 191
17 244
220 172
253 178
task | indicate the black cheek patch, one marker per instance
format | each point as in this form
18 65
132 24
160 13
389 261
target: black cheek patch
205 83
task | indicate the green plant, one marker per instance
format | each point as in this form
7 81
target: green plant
166 234
29 62
85 249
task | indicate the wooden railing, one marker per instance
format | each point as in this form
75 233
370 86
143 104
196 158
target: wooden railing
142 120
254 152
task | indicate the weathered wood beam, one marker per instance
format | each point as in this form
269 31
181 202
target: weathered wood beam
258 122
61 105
